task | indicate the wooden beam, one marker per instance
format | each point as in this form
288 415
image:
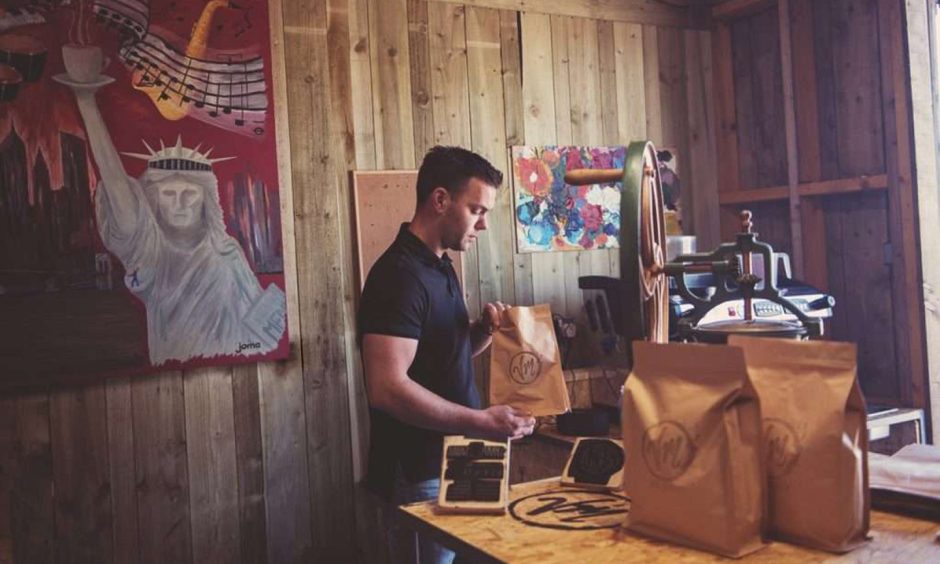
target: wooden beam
733 9
806 189
651 12
789 109
920 208
753 195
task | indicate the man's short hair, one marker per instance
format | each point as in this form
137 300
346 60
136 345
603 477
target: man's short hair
451 168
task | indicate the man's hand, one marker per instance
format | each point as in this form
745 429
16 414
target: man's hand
492 316
500 422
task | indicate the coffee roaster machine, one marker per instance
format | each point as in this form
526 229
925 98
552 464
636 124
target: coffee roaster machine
741 287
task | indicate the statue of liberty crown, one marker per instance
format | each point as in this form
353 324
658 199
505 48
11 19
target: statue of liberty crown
178 157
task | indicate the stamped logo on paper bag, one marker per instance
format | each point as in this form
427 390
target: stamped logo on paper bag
525 368
668 450
782 447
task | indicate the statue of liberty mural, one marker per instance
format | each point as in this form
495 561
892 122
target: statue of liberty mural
166 227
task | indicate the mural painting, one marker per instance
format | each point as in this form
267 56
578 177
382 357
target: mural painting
139 205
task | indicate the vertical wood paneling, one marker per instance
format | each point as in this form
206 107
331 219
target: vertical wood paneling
630 72
360 73
451 105
920 21
31 494
281 385
249 462
725 110
7 457
320 272
805 96
701 180
864 300
806 107
162 478
79 438
566 31
514 106
826 90
607 65
901 127
770 136
858 87
391 84
538 94
211 463
745 120
652 83
420 70
122 470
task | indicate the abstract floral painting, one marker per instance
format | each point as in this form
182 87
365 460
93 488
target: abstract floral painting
554 216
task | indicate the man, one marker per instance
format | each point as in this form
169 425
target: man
418 340
167 228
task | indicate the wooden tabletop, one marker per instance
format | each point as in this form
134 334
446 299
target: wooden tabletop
506 538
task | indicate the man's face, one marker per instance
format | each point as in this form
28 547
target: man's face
466 215
180 203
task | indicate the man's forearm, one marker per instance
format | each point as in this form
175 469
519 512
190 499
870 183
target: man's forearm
480 338
412 403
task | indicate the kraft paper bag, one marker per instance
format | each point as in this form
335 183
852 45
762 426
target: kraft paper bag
691 437
816 442
525 366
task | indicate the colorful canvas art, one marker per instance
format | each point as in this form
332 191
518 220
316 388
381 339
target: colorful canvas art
139 206
554 216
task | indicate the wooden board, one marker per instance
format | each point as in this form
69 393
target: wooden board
855 62
641 11
860 281
502 538
211 465
923 26
31 494
383 201
78 421
510 52
701 180
162 481
538 94
249 452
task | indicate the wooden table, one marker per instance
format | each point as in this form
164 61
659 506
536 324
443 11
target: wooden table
504 538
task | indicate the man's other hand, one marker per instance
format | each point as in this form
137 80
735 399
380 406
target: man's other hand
502 421
492 317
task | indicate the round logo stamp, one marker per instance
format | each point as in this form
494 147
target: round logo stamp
668 450
524 368
782 447
571 509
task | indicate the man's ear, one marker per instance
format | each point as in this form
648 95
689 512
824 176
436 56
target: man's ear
440 199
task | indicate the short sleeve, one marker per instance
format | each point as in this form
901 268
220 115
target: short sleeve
394 302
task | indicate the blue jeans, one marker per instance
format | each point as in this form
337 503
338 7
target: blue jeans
404 545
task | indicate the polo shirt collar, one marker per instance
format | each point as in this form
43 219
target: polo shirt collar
415 245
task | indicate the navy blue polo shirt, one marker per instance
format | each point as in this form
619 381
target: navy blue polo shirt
412 293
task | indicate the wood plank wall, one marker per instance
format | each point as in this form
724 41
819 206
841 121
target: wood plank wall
259 463
853 192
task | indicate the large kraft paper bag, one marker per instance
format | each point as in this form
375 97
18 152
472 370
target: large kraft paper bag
816 442
525 366
691 436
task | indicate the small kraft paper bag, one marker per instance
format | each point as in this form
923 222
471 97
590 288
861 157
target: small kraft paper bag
691 437
525 366
815 437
